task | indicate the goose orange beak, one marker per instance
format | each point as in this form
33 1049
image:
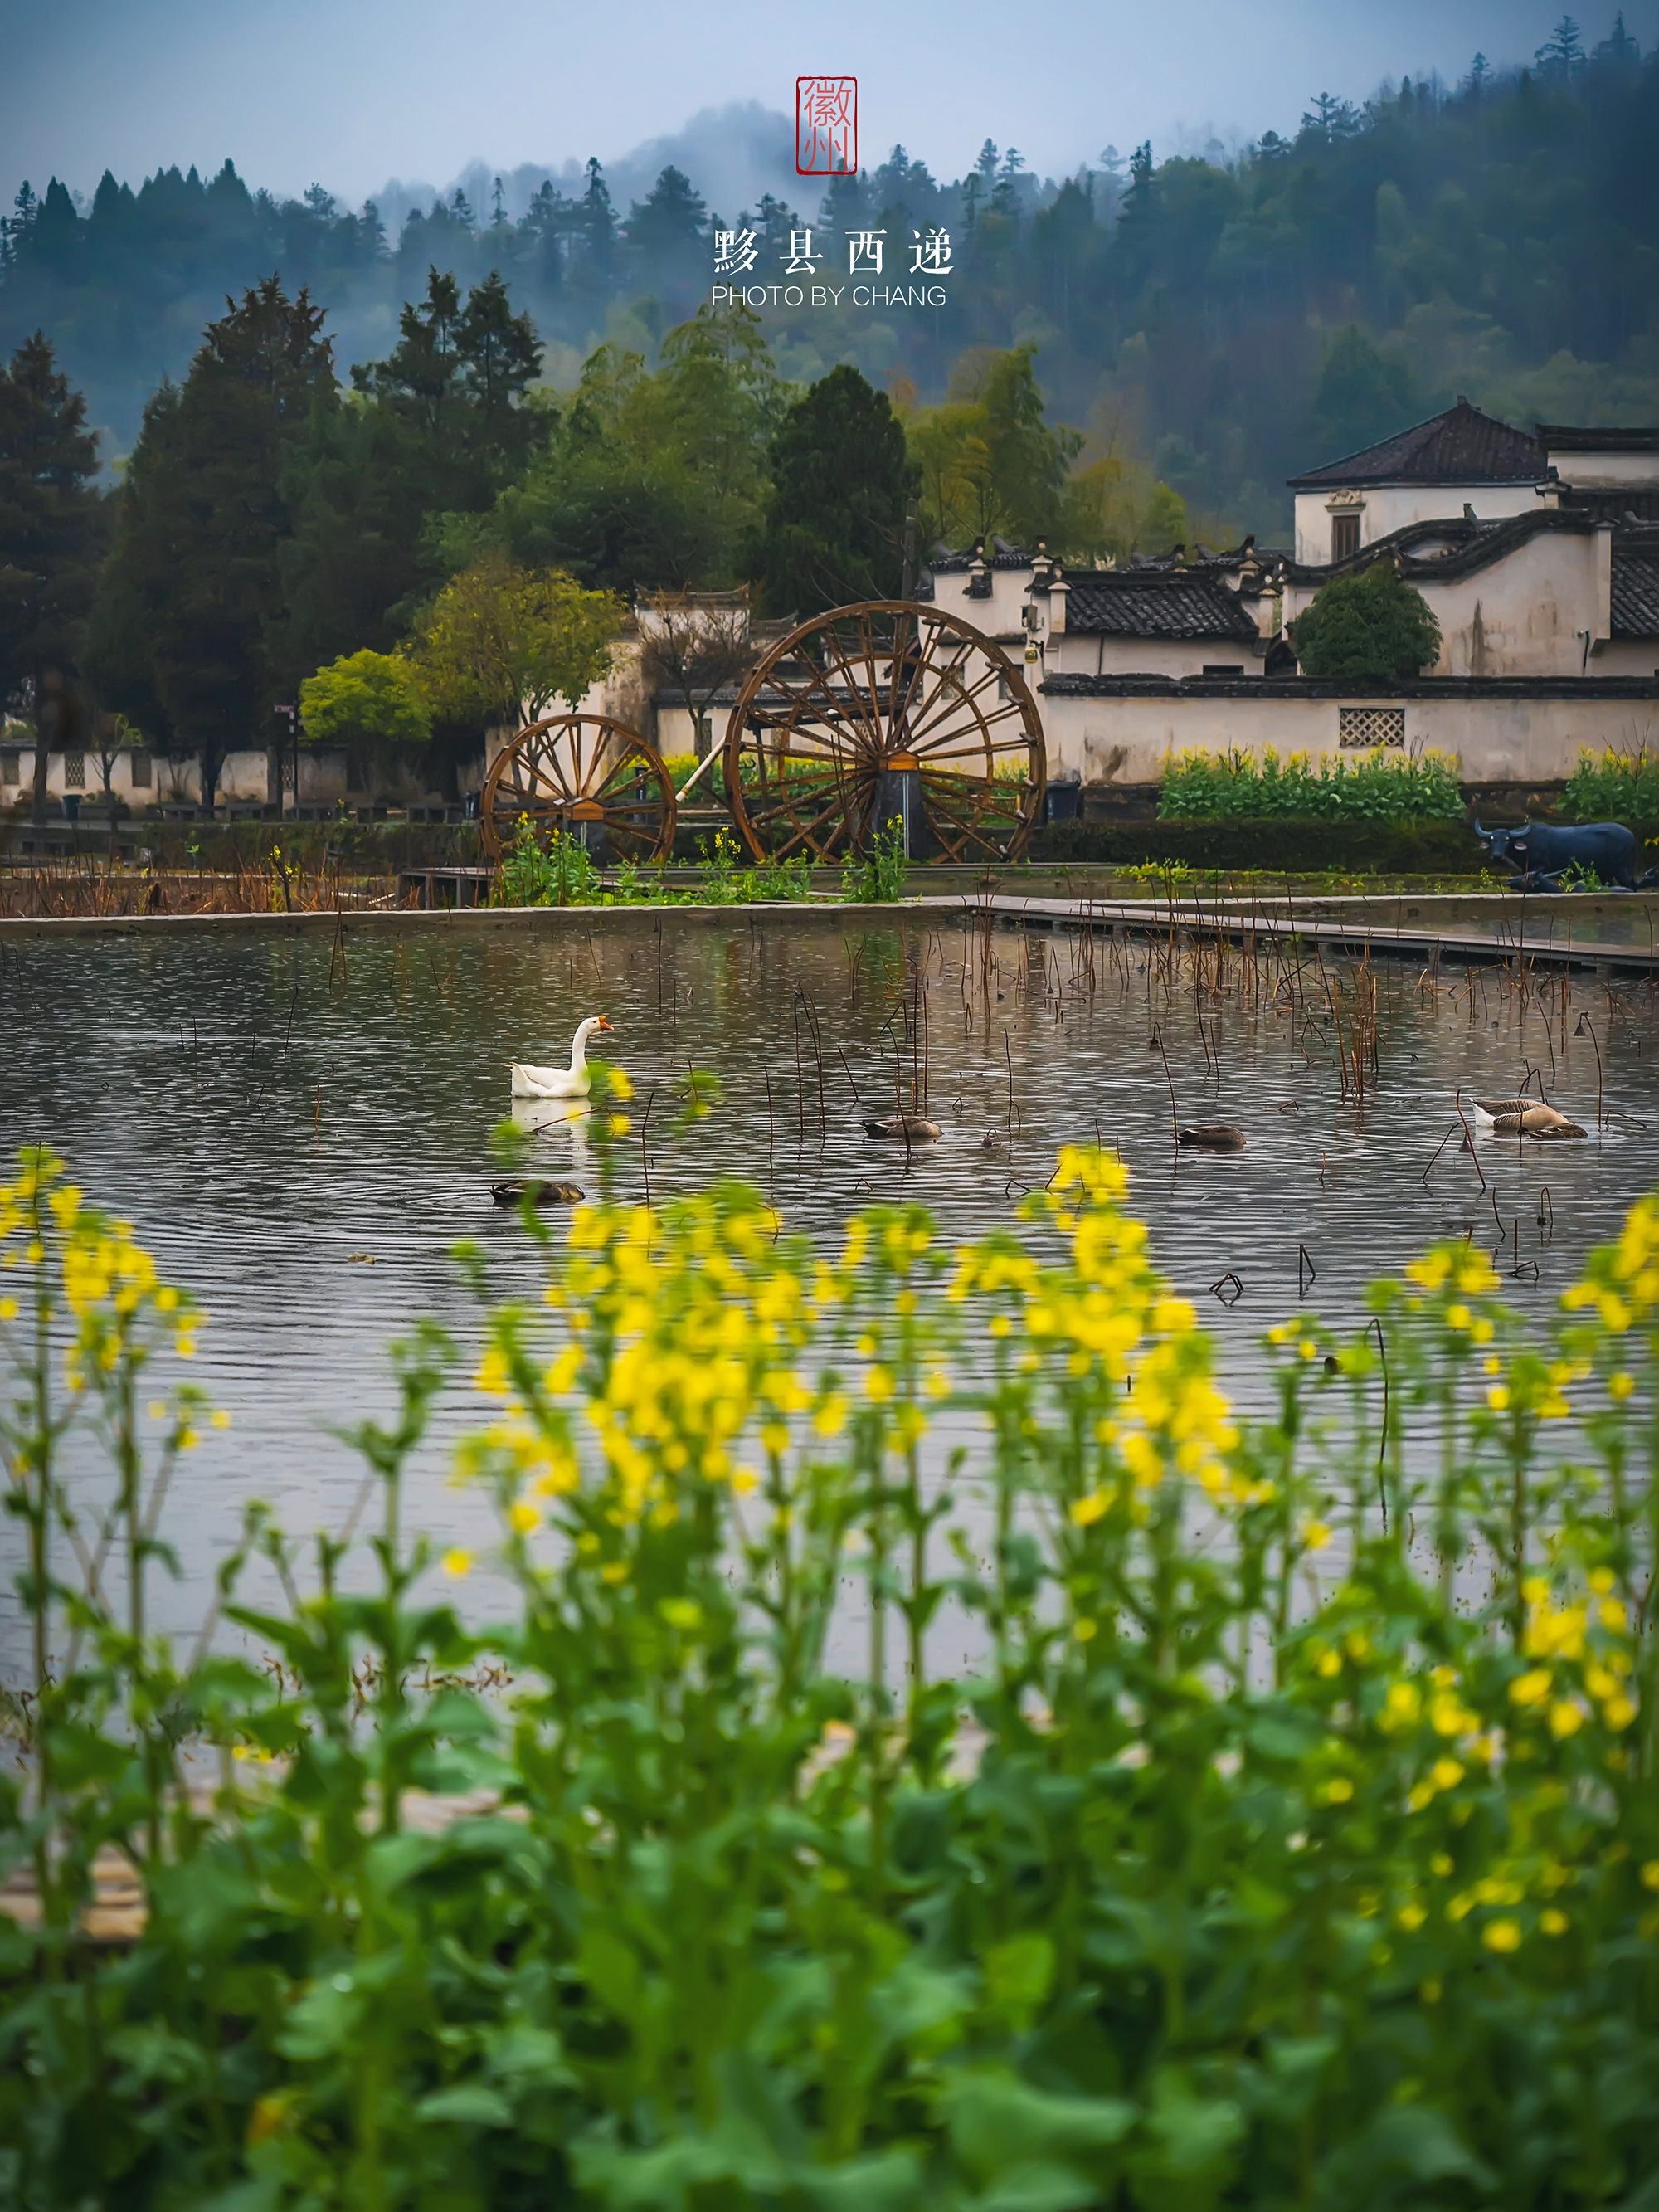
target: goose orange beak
604 1024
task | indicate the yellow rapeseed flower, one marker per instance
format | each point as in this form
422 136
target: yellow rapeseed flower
1502 1936
1531 1688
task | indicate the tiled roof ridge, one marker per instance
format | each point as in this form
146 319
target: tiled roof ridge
1634 596
1460 445
1485 542
1170 603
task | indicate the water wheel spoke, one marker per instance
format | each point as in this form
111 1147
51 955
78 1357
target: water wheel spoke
887 688
580 774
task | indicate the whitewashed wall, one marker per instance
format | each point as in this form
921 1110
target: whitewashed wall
1387 507
1129 741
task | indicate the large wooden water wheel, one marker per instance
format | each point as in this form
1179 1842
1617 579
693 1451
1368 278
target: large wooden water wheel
888 711
586 776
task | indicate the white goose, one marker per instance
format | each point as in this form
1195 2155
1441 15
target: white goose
570 1082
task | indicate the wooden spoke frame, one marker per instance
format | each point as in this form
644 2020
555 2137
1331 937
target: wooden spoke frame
888 711
586 776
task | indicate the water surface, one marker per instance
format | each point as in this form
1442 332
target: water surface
301 1137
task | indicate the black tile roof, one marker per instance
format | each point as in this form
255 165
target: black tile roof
1636 594
998 554
1436 552
1462 446
1562 438
1168 603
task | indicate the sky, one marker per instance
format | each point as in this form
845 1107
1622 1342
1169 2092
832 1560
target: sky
349 94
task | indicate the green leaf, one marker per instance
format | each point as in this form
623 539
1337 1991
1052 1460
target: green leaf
998 2121
470 2104
1018 1975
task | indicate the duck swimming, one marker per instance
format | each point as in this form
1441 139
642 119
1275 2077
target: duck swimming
1524 1117
571 1082
1211 1137
540 1193
908 1128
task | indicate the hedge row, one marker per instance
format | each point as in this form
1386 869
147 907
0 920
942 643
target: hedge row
1279 847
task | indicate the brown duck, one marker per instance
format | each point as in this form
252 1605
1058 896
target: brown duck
1525 1117
540 1193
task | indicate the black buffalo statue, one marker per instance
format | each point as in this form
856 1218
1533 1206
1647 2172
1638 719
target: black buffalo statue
1541 854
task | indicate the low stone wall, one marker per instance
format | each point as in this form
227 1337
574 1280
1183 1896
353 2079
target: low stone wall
1121 731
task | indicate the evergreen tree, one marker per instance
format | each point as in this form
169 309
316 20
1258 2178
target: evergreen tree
501 357
599 229
833 530
51 525
1365 396
670 225
205 513
1563 53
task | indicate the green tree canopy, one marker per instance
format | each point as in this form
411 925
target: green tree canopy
654 480
192 609
506 641
1365 396
1373 625
989 461
366 699
52 530
833 530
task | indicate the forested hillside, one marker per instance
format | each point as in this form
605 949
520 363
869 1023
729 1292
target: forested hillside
1214 325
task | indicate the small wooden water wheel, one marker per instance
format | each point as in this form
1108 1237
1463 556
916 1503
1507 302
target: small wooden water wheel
586 776
888 711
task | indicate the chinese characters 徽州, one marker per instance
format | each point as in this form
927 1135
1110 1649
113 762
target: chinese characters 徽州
826 125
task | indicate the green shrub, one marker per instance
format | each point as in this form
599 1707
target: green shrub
560 873
1377 787
1371 627
1620 787
876 877
1268 846
1214 1880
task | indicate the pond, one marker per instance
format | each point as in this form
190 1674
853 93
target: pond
301 1130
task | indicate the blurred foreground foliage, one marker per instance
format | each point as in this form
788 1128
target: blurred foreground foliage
1216 1879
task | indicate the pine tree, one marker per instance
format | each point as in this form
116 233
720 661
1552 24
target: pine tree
599 227
834 523
50 535
206 509
501 356
1563 53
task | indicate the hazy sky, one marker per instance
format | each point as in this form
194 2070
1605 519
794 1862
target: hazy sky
347 92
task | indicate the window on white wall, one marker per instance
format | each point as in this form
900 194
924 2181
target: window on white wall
1345 537
1361 729
11 767
75 771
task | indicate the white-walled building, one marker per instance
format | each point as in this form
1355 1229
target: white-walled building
1538 556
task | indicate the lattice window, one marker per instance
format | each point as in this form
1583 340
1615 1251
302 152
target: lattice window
1361 728
11 767
140 771
1345 537
75 771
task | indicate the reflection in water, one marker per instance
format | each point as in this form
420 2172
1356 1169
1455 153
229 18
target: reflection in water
265 1115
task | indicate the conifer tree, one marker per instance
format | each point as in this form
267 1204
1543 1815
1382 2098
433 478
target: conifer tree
50 535
205 513
835 525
